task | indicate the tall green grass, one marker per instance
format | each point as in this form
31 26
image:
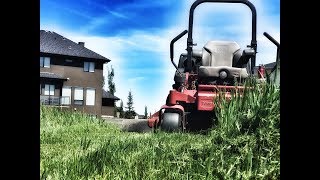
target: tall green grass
248 132
243 145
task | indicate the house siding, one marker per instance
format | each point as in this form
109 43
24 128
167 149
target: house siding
78 78
107 110
108 107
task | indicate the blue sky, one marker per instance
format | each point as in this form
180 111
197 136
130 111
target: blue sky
135 35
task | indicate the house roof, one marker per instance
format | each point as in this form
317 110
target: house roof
270 65
51 75
107 94
267 66
53 43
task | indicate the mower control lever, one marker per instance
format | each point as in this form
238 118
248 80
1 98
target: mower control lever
278 51
172 48
271 39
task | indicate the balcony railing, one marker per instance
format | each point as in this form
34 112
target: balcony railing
55 100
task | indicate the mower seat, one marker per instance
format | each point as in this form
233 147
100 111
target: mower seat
218 56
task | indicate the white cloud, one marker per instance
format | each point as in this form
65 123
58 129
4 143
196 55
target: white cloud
118 15
136 79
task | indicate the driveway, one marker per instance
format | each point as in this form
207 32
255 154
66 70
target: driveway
132 125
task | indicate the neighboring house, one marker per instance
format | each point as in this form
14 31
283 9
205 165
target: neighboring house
108 101
70 74
268 68
137 116
272 70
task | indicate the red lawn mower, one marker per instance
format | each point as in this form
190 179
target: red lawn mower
220 66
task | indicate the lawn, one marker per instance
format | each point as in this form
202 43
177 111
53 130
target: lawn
245 144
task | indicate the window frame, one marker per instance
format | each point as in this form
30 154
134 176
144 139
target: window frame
62 94
77 101
94 99
50 89
43 61
89 66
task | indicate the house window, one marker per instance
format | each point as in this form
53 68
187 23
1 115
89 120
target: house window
78 96
88 66
90 98
49 89
66 95
45 62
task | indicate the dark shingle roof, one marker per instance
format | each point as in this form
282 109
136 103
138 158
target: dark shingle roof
107 94
267 66
270 65
51 42
51 75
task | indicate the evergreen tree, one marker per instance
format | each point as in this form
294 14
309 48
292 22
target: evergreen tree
130 109
111 84
112 87
121 110
145 112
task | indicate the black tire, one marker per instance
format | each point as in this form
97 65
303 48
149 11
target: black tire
171 122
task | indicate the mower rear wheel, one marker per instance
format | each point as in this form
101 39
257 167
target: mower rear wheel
171 122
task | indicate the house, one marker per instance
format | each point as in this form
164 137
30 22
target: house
268 68
71 75
272 70
108 101
138 116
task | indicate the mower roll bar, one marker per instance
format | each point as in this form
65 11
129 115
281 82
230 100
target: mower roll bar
172 47
254 28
